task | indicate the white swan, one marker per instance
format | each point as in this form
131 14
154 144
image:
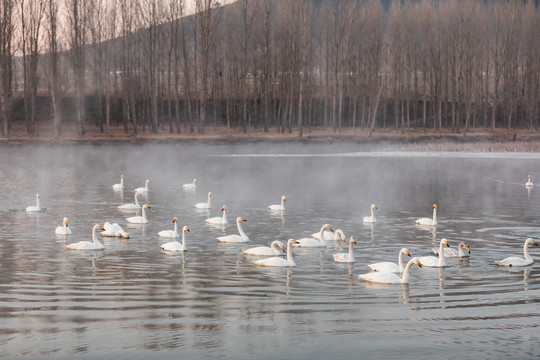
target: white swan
113 230
278 261
35 208
119 186
278 207
144 189
344 257
428 221
390 266
386 277
330 235
190 186
276 248
529 182
135 206
242 238
219 220
205 205
310 242
175 245
170 233
139 219
432 261
371 219
449 252
95 244
518 261
64 229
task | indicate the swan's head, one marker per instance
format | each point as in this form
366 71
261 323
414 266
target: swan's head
37 196
352 240
194 181
373 206
147 181
121 176
531 240
126 236
465 245
145 206
283 198
292 241
416 261
434 206
445 242
406 251
185 228
209 194
174 220
101 227
327 226
223 208
66 221
240 219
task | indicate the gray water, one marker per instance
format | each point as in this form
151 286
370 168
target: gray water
132 300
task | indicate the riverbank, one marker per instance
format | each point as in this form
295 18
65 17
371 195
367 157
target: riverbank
414 139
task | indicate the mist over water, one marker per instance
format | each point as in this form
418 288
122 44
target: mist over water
134 300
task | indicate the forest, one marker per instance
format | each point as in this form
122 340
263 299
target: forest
279 65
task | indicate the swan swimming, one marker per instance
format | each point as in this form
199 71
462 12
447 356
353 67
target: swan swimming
344 257
36 208
386 277
242 238
279 261
205 205
432 261
114 230
428 221
529 182
190 186
139 219
219 220
449 252
64 229
170 233
119 186
310 242
95 244
330 235
518 261
371 219
390 266
175 245
132 206
276 248
278 207
144 189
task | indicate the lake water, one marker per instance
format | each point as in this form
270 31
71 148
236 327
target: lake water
133 300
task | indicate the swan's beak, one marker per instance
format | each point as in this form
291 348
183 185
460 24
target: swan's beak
406 252
353 240
446 243
469 250
374 206
174 220
101 227
187 228
296 242
534 243
418 263
283 248
434 206
127 236
66 223
244 219
331 229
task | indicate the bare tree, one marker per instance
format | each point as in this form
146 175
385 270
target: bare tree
53 63
7 30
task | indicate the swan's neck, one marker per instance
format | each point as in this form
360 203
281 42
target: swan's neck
274 246
526 251
96 241
224 216
183 238
37 203
137 200
340 235
321 234
405 276
434 215
146 186
144 213
282 202
121 181
442 262
209 197
175 232
372 213
400 261
289 254
460 250
351 256
240 231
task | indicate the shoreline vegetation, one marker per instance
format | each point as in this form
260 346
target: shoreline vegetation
416 139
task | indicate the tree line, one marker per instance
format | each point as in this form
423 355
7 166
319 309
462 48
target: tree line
273 64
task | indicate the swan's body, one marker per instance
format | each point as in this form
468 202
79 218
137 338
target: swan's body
144 189
119 186
114 230
330 235
219 220
95 244
64 229
371 219
278 261
518 261
276 248
449 252
344 257
190 186
242 238
428 221
35 208
310 242
135 206
170 233
432 261
386 277
279 207
390 266
529 183
205 205
175 245
139 219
